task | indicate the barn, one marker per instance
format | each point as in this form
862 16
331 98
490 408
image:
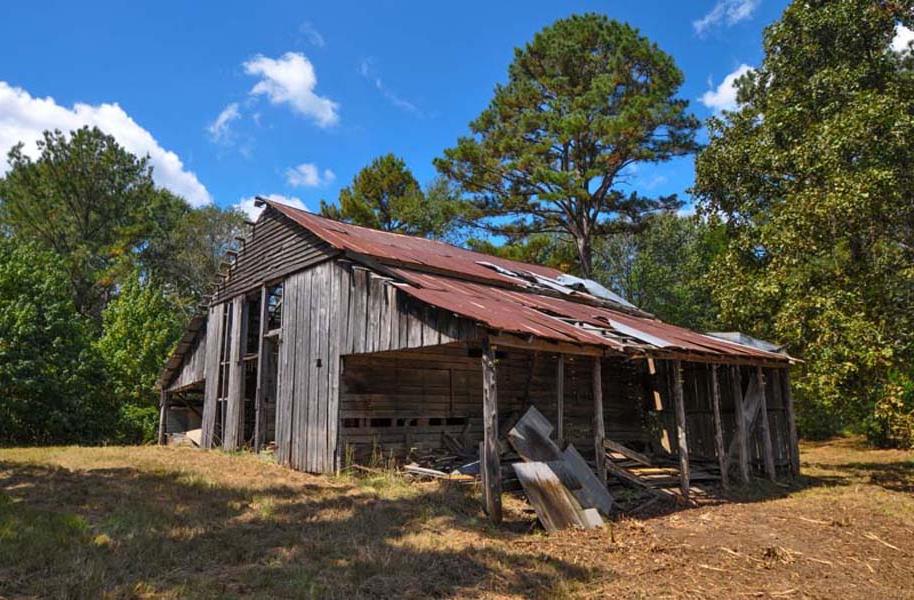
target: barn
327 342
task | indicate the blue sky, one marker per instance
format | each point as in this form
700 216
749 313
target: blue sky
311 92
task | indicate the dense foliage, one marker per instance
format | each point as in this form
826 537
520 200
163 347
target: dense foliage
51 377
585 100
100 269
813 177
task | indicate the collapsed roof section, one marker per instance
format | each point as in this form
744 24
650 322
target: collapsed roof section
518 298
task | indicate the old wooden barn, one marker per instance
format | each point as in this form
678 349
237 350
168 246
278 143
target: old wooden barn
327 342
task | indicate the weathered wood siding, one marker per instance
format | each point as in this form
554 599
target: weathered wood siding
193 366
699 413
276 247
232 437
333 309
401 400
212 358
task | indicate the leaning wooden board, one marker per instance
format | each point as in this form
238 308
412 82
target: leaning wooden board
555 506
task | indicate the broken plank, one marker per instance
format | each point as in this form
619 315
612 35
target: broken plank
555 506
627 452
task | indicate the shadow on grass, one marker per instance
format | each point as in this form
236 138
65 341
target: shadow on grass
126 532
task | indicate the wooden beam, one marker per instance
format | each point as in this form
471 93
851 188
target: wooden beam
163 407
599 428
792 438
741 439
764 428
718 429
560 400
490 463
509 340
261 367
679 405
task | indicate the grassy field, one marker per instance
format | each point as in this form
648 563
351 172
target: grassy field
163 522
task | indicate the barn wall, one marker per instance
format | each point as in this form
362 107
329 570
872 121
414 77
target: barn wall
192 370
275 248
699 416
333 309
392 402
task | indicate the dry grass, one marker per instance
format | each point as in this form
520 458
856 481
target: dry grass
162 522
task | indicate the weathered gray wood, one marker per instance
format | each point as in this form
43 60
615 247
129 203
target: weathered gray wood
560 400
262 361
213 358
718 428
530 438
599 426
163 408
792 438
741 439
627 452
764 428
592 492
331 416
679 406
490 464
554 504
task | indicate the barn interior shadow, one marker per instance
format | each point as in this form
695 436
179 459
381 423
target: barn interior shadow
84 533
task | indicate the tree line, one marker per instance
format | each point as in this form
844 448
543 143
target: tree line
802 233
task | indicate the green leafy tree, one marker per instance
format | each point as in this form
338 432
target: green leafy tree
385 195
140 327
86 199
52 387
663 269
585 100
813 176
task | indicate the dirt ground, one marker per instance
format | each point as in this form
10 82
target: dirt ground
165 522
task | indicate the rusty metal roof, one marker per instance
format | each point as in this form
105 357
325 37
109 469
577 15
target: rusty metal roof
507 296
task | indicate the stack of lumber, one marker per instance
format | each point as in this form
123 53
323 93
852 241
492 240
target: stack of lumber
559 484
647 477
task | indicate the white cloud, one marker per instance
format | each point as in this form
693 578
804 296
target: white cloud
290 79
219 130
726 12
24 118
308 175
313 36
367 70
903 38
246 205
724 97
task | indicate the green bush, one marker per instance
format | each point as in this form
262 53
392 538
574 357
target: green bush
138 424
891 425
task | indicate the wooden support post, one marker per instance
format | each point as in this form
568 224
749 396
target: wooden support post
163 409
560 400
679 405
491 465
764 428
261 368
792 438
599 427
742 441
718 429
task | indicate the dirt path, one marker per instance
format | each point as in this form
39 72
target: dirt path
160 522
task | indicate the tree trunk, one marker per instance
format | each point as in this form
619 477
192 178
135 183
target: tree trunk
585 255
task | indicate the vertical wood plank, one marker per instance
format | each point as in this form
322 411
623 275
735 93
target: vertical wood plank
792 438
262 363
284 380
718 429
163 408
560 400
679 405
742 442
234 406
764 427
214 325
332 415
491 463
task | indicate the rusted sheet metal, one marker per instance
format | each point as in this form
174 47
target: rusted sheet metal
455 279
409 249
527 313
